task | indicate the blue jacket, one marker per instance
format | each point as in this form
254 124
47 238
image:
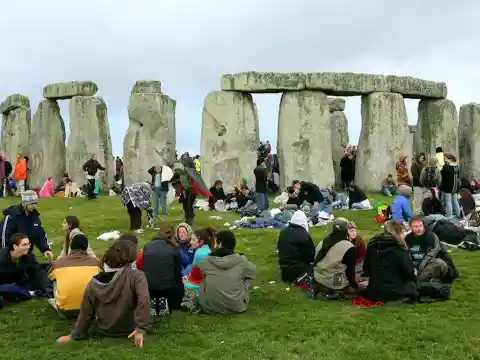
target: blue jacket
186 258
17 221
401 209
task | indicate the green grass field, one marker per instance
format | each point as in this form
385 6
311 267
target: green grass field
280 324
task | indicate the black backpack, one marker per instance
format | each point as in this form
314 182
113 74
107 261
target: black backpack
430 177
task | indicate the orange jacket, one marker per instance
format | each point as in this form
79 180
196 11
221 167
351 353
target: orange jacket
20 172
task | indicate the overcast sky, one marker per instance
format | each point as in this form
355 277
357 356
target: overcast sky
189 44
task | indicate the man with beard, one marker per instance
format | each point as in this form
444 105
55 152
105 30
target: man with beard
191 185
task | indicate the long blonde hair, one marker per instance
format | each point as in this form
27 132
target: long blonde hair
397 230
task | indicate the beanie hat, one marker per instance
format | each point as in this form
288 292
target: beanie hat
29 197
351 225
340 224
405 190
79 243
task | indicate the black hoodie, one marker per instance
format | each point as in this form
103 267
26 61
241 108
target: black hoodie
390 270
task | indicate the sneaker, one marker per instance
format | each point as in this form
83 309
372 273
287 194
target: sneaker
138 231
153 308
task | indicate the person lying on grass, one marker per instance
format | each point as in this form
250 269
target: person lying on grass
118 299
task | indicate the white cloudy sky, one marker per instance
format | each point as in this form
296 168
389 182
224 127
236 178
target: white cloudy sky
188 44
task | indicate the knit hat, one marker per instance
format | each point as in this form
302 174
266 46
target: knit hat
79 243
340 224
29 197
405 190
245 180
351 225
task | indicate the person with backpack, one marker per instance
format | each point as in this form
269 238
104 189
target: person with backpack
418 191
430 176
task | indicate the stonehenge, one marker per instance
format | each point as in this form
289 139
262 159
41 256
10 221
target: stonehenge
151 134
312 128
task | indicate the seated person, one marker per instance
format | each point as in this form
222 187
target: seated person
432 207
389 266
296 250
226 276
401 206
65 180
360 247
71 274
334 264
430 259
357 200
293 192
202 243
465 184
183 236
389 187
18 270
244 196
310 193
466 202
217 194
161 263
118 299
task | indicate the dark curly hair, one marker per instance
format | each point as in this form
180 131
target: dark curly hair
120 254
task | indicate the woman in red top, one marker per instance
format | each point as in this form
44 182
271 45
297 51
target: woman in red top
403 176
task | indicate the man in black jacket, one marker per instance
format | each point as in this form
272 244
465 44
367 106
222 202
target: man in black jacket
91 167
310 193
18 270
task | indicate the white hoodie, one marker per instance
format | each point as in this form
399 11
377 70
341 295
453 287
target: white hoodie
299 218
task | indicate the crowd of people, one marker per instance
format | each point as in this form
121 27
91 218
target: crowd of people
118 294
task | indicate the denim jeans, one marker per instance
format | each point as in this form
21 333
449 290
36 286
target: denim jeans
159 196
389 191
435 217
452 207
261 199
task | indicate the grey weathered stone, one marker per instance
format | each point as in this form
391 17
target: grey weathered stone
336 104
340 139
147 87
414 88
383 138
229 139
150 138
304 138
469 141
89 134
263 82
16 133
14 101
347 83
437 125
47 145
67 90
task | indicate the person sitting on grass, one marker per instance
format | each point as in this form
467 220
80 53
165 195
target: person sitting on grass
118 299
431 260
217 193
161 263
18 270
361 248
183 236
71 274
202 242
334 264
401 207
466 202
389 186
226 275
71 225
389 267
296 250
357 200
432 207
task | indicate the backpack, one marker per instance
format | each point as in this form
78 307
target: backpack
430 177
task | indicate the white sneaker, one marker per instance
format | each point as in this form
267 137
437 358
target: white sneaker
139 231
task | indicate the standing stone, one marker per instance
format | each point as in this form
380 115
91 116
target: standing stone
230 137
437 126
304 138
150 138
469 141
89 134
339 126
16 133
383 138
47 148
